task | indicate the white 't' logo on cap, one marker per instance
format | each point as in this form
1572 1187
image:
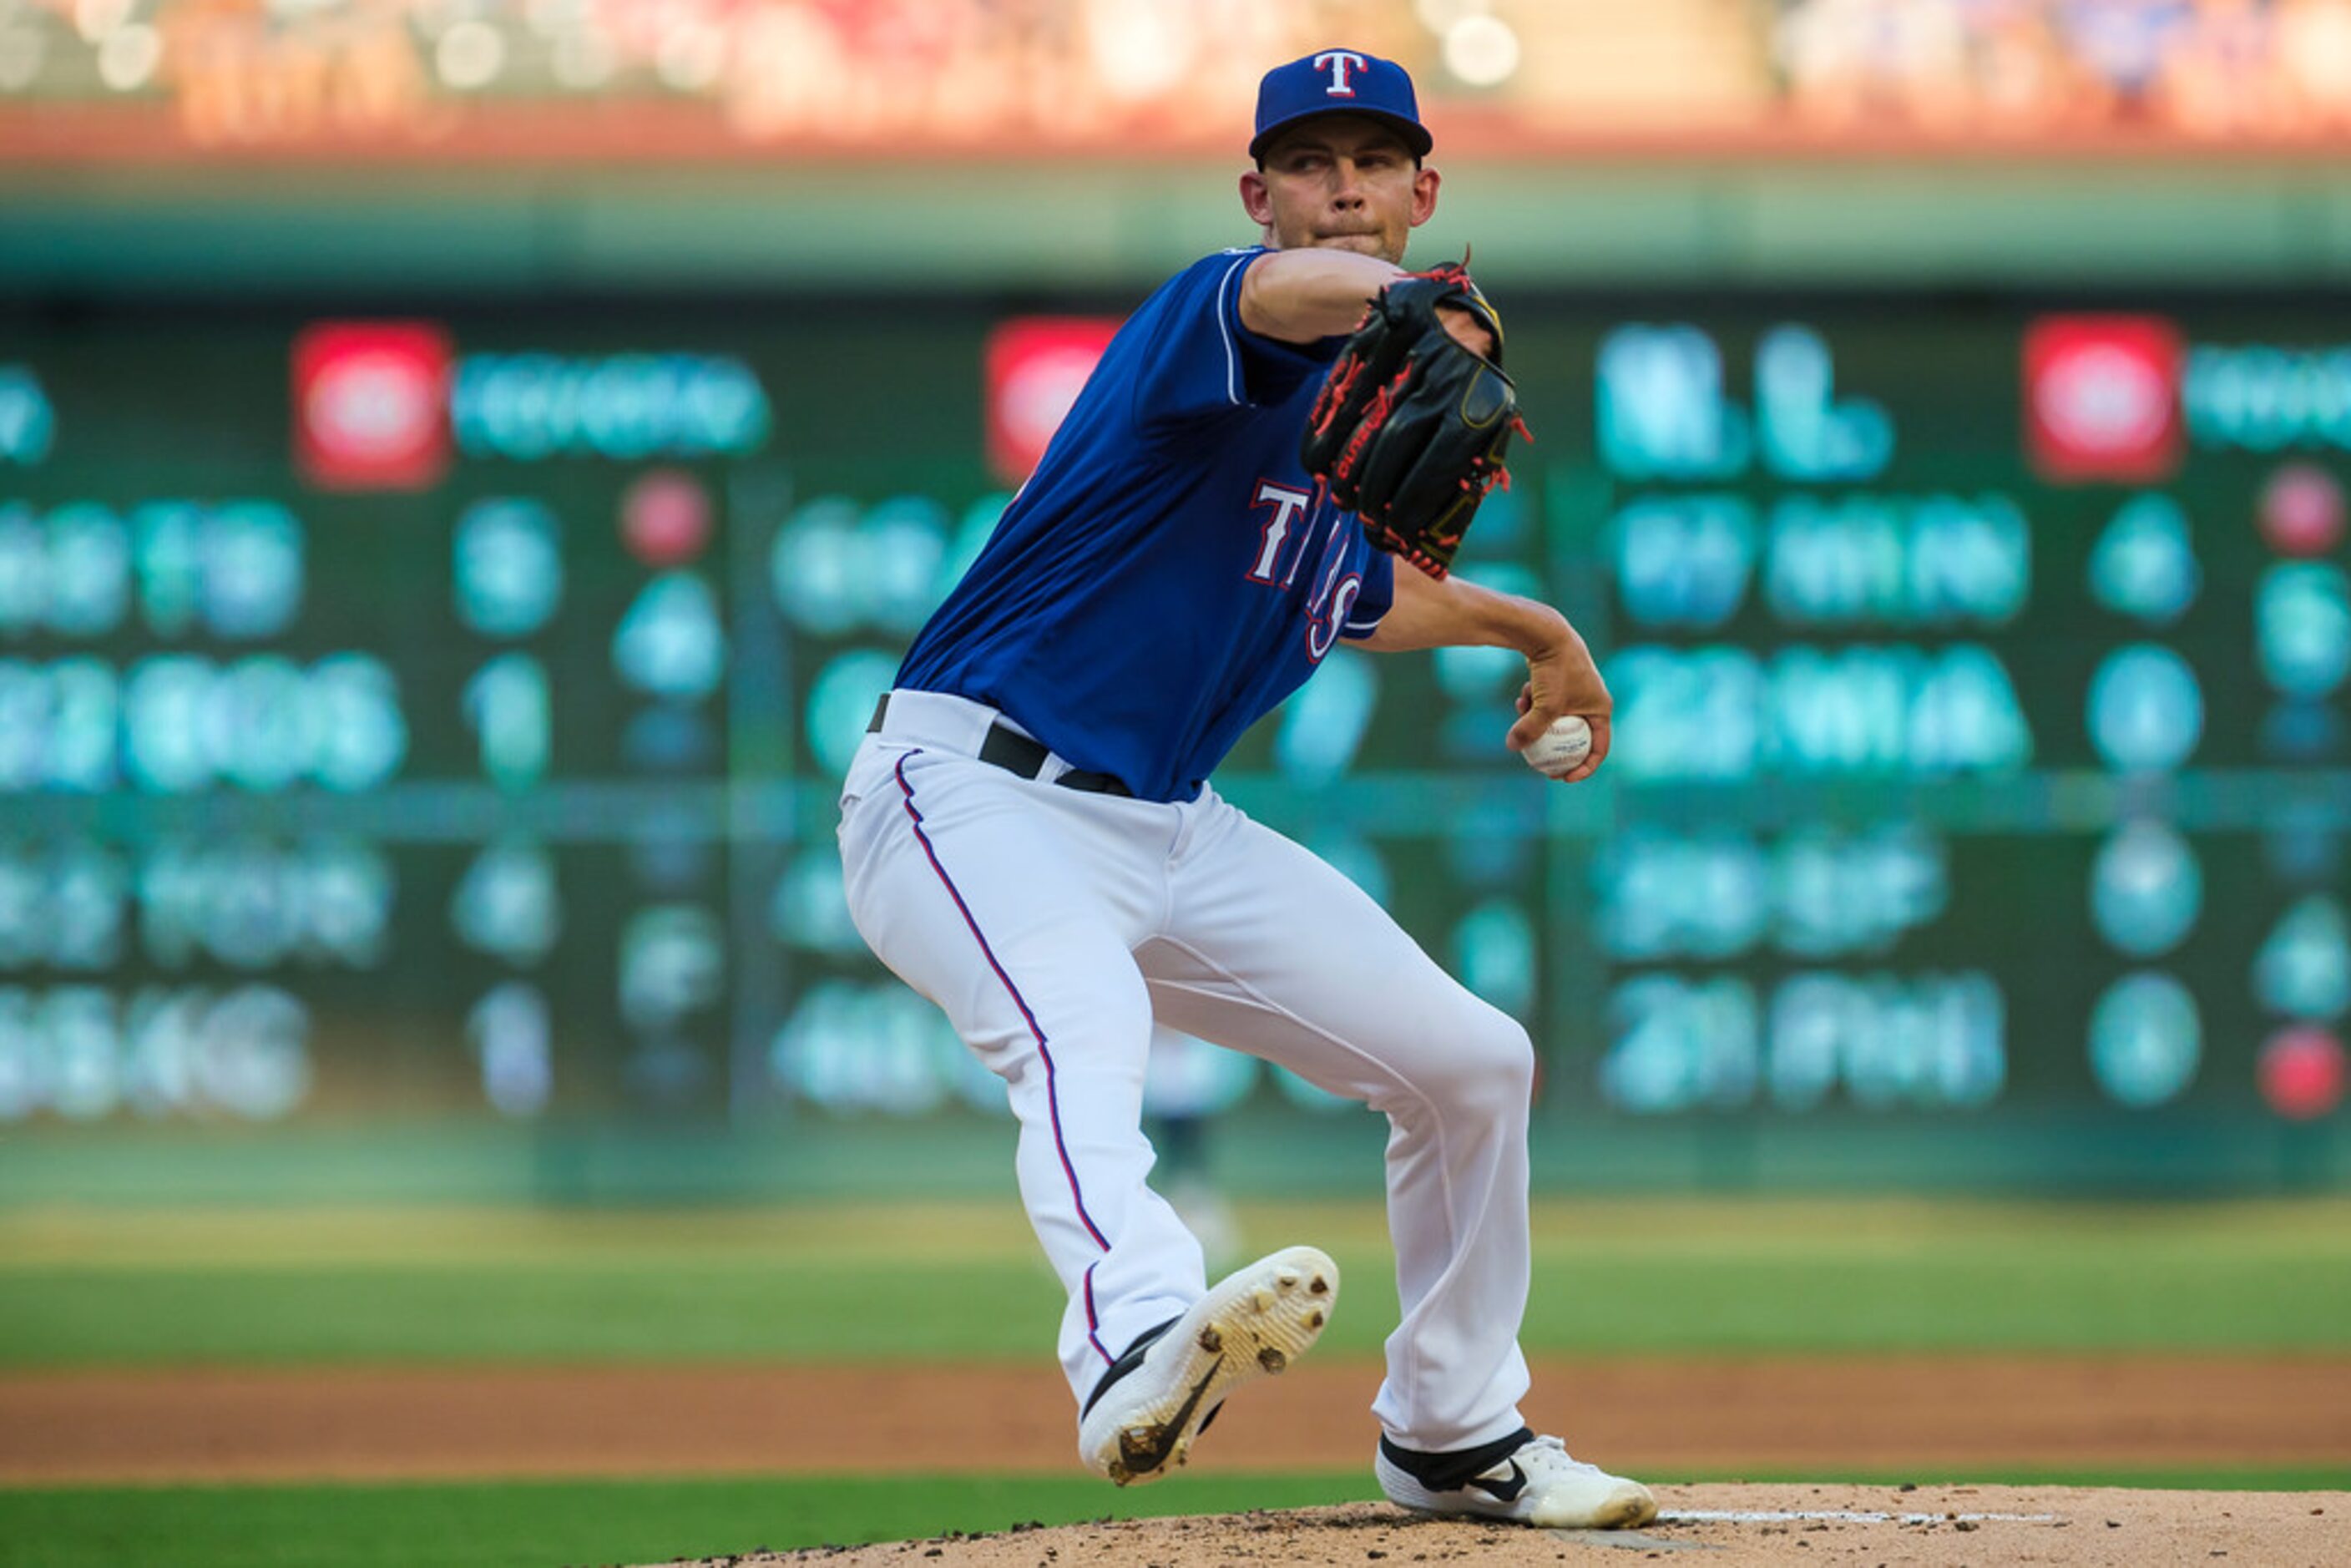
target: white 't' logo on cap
1338 62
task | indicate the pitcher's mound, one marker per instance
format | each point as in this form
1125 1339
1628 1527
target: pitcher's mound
1726 1524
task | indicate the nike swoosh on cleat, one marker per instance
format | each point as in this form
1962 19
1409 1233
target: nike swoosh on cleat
1143 1462
1502 1491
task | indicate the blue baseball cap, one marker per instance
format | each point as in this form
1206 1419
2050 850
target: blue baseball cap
1338 81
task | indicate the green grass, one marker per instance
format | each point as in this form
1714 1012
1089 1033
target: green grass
492 1524
91 1288
488 1525
942 1281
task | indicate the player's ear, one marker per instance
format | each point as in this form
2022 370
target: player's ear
1425 182
1256 200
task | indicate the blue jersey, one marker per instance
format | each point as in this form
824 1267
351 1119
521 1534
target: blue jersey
1170 572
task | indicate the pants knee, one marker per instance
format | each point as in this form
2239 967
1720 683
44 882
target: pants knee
1489 1073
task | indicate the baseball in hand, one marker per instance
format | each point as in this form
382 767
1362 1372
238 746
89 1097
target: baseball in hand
1559 748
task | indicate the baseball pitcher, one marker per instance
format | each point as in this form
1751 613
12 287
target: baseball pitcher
1280 450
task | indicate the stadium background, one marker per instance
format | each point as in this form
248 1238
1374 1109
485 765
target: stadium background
465 470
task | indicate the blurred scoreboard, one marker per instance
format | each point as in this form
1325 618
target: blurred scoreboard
442 713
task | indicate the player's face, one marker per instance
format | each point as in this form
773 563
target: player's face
1343 182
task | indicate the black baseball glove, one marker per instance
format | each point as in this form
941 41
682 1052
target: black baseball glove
1409 427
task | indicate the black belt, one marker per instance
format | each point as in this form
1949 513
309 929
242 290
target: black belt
1014 752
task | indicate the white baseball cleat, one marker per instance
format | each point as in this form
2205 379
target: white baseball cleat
1536 1483
1140 1420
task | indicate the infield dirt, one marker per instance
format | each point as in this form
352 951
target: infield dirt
1934 1416
1939 1527
1653 1418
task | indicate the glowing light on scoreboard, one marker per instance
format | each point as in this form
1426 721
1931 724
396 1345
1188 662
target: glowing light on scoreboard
1665 415
624 407
27 420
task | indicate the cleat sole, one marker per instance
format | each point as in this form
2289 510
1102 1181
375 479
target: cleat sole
1254 1323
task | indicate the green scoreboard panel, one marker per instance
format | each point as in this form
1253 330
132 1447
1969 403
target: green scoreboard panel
438 711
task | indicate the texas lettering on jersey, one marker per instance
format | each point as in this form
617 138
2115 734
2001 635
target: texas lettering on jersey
1293 521
1287 506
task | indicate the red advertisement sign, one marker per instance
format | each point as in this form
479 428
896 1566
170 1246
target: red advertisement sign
1035 366
372 404
2102 398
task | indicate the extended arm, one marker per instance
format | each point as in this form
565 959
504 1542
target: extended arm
1562 679
1303 296
1300 296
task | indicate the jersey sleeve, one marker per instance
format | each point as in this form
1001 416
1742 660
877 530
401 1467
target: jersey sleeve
1201 361
1372 604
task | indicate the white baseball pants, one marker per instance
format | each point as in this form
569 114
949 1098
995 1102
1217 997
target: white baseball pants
1052 925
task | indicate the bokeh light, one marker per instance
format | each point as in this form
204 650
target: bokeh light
2301 510
2301 1072
665 518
